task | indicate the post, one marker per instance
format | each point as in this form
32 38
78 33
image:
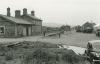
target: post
59 34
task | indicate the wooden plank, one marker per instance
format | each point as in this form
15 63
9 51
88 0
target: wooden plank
96 60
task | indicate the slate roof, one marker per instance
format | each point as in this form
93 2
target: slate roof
34 17
16 20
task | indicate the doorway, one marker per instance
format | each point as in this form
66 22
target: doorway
27 31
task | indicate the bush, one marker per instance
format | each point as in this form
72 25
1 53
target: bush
41 55
71 57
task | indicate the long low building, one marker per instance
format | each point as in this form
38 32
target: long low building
20 25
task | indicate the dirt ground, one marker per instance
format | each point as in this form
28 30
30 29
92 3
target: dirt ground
69 38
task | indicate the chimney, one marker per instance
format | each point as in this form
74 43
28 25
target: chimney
17 14
24 11
8 11
33 13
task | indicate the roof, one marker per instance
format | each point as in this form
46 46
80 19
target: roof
16 20
34 17
89 24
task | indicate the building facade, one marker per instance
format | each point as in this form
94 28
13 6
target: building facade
20 25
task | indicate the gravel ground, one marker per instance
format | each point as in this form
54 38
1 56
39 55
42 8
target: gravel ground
69 38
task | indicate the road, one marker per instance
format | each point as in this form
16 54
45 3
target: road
70 38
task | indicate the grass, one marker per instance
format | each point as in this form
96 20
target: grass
39 52
52 56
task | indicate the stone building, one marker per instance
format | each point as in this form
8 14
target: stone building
20 25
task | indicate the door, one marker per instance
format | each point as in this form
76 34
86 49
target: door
27 31
24 31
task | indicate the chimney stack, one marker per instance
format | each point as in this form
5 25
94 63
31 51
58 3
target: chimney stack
8 11
33 13
17 13
24 11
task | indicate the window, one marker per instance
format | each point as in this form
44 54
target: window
1 29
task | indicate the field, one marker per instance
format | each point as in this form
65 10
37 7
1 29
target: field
34 49
69 38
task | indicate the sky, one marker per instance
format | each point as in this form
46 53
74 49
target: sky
57 12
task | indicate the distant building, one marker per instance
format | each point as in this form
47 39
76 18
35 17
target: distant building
88 27
20 25
78 28
97 29
65 28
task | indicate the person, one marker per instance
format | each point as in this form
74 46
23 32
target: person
44 33
89 47
59 34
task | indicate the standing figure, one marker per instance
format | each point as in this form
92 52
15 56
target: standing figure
89 47
44 33
59 34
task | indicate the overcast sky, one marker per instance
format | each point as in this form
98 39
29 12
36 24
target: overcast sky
72 12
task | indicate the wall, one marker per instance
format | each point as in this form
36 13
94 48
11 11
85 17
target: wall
23 29
20 31
37 25
36 30
9 28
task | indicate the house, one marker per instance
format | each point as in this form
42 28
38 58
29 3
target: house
20 25
88 27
